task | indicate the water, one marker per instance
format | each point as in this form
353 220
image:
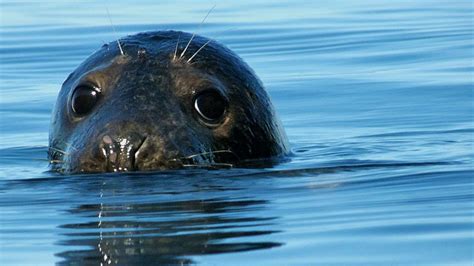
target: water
376 98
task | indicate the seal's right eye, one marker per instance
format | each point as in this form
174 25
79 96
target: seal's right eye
84 99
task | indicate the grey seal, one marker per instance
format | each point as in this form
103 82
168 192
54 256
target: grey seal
163 100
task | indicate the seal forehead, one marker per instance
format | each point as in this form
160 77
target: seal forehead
170 47
151 42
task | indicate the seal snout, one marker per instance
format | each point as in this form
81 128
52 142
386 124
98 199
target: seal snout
120 152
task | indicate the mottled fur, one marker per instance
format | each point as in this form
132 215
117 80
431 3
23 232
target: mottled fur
144 119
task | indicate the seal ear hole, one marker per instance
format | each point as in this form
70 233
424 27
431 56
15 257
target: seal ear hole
211 106
83 99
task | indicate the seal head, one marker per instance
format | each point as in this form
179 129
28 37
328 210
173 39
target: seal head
163 104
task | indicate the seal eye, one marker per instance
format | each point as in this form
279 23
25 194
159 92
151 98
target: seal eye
84 99
211 106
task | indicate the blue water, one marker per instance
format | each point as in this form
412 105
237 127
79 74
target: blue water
377 101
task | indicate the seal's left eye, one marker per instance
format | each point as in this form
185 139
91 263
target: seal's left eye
211 106
84 99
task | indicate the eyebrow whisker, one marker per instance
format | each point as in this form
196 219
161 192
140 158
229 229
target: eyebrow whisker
176 49
115 32
194 34
204 45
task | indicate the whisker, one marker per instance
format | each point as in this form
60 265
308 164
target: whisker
191 58
194 34
205 44
70 145
46 160
222 164
209 165
207 152
58 150
115 32
176 49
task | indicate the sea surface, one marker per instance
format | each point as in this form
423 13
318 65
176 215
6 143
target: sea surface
376 98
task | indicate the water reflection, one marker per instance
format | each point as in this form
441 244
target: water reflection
162 232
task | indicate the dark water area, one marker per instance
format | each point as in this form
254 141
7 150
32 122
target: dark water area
377 101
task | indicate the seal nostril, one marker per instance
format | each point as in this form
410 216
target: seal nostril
136 152
107 139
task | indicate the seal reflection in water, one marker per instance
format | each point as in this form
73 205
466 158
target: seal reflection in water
153 103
